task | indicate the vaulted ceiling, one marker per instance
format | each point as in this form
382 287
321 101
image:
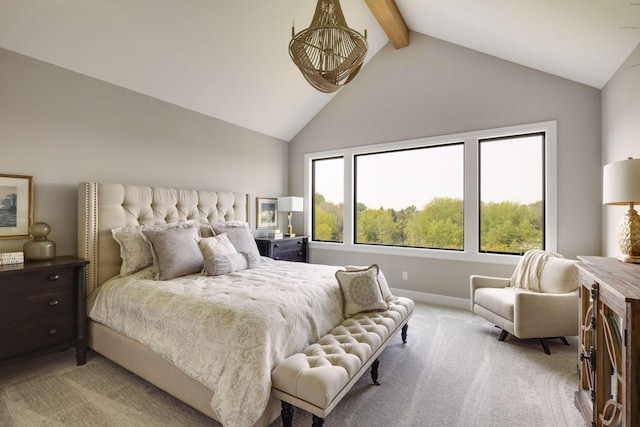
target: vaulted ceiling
229 59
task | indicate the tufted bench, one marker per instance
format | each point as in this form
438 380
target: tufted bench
319 377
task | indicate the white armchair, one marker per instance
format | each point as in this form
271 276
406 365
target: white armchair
539 301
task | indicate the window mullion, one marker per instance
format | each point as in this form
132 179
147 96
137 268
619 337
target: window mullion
349 197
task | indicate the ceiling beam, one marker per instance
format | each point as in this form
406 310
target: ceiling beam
391 21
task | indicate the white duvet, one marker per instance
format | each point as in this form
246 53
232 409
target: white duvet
228 332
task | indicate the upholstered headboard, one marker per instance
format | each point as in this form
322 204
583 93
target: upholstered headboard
102 207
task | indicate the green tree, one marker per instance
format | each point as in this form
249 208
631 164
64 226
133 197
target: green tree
441 224
375 226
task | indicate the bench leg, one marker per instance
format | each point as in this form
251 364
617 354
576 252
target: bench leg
287 414
317 422
374 371
404 332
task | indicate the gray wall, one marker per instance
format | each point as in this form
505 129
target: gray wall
620 134
433 88
63 128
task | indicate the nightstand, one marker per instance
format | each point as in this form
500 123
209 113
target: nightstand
285 249
43 308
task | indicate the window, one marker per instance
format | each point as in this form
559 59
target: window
512 182
328 199
475 196
411 197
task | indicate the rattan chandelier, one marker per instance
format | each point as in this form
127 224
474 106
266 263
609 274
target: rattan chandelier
328 53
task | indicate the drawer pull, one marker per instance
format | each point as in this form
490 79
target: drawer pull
276 245
299 242
53 331
53 302
300 253
53 277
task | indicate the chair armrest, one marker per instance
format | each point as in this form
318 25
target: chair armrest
540 315
477 282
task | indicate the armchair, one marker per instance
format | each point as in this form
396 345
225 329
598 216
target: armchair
539 301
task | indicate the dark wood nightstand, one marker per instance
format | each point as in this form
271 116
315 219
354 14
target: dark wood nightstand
285 249
43 308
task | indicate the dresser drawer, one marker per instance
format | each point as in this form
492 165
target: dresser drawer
35 334
54 302
36 281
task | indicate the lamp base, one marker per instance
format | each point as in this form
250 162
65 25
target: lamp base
629 236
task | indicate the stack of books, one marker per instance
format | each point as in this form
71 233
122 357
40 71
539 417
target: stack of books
11 258
276 234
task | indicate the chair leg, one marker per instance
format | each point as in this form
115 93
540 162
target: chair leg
545 346
564 340
504 334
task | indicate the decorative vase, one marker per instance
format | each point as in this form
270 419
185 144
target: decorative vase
40 248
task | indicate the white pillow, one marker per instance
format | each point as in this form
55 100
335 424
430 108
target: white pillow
382 281
361 291
229 263
216 246
240 237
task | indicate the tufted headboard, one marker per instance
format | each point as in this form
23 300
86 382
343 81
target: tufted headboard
102 207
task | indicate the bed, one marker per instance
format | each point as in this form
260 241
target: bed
285 305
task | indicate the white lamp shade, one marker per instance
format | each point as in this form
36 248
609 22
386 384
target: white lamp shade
621 182
290 204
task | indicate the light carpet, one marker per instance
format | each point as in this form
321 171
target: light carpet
453 371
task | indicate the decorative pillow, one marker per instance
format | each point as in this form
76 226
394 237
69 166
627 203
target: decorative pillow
216 246
229 263
361 291
135 251
241 238
382 281
175 252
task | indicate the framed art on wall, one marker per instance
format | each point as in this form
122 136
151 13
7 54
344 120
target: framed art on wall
267 212
16 206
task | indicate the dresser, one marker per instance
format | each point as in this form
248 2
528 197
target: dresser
609 343
285 249
43 308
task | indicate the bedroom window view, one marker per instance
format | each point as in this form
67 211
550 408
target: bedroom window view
512 181
328 201
411 197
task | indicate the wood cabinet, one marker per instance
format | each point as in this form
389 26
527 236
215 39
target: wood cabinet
285 249
42 308
609 342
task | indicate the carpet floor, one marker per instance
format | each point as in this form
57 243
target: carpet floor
453 371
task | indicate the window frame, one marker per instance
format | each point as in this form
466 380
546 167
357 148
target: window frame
471 141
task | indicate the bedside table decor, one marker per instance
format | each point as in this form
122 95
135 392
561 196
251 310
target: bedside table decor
16 206
43 308
290 205
40 248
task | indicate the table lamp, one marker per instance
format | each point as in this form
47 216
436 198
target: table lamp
290 204
621 186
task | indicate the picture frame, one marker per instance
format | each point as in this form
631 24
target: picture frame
266 212
16 206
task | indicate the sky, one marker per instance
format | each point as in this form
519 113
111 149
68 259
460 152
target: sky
510 172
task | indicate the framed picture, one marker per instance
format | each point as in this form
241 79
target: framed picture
267 212
16 206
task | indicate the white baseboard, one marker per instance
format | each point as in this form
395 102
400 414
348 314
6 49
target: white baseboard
453 302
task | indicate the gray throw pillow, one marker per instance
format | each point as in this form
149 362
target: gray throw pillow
175 252
241 239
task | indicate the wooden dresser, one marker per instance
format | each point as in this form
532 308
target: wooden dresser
43 308
609 342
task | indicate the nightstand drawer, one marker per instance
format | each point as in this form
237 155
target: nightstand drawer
55 302
290 250
35 334
35 281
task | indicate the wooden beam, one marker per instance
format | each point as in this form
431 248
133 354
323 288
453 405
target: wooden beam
391 21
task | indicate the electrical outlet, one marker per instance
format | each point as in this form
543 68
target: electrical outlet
405 275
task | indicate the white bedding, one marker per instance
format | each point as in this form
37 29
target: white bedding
228 332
